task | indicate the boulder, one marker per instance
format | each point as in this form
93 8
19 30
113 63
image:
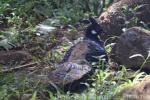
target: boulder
133 48
140 91
114 18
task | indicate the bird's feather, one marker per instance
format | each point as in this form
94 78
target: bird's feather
89 47
68 72
71 68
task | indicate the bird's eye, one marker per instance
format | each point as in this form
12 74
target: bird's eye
93 32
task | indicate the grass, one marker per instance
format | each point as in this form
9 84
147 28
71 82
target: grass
20 18
107 84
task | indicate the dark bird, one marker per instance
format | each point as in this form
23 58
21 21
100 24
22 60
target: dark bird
75 65
90 47
69 75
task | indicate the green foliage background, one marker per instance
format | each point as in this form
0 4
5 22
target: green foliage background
31 12
20 16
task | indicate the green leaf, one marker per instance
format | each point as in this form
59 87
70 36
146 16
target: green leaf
34 95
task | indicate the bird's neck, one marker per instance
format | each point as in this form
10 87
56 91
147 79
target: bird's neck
93 38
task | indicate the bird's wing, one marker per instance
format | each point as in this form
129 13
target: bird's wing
68 73
95 50
76 52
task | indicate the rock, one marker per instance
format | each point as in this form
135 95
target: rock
14 57
44 29
132 48
69 75
114 19
140 91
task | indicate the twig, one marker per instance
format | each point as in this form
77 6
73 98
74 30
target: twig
19 67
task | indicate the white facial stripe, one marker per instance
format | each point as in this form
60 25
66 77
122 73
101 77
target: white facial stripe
93 32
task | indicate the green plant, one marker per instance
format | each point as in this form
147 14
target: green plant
131 16
22 15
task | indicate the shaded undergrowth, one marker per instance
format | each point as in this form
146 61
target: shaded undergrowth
17 26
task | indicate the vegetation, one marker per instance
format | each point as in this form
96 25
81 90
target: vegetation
18 19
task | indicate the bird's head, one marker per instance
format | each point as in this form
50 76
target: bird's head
94 30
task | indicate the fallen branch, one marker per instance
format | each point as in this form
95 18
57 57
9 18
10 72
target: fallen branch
19 67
